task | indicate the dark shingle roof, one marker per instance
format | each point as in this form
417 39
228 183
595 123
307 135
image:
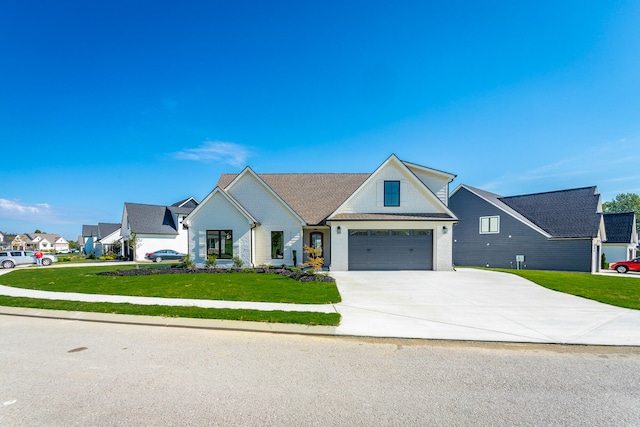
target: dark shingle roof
89 230
153 219
106 228
313 196
565 213
186 203
619 227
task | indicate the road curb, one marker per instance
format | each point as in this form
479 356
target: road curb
173 322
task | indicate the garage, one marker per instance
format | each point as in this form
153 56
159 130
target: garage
390 249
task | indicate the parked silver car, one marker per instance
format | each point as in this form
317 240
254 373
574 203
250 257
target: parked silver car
9 259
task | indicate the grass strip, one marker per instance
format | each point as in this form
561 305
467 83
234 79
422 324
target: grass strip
276 316
258 287
613 290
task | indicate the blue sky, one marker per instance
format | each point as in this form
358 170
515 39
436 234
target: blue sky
103 103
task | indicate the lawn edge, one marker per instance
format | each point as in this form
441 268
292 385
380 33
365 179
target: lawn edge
175 322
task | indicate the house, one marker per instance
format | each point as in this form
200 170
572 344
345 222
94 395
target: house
155 227
558 230
109 239
22 242
394 218
88 239
100 239
5 240
622 237
49 242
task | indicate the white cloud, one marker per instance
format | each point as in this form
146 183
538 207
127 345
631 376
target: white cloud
14 207
218 151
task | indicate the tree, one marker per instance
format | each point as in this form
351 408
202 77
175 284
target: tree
38 232
315 260
624 202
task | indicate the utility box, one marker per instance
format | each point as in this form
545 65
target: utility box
519 261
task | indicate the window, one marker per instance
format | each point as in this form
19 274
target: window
489 224
392 193
316 240
277 245
220 243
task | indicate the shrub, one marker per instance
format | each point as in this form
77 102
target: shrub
187 262
212 261
237 262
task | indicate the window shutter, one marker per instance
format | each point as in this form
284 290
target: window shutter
380 193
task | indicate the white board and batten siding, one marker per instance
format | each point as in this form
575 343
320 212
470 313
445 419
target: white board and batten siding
272 215
218 213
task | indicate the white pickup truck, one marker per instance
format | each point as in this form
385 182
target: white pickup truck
9 259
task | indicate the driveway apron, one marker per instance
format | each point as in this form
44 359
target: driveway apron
475 305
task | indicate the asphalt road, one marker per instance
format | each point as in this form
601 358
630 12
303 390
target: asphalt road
65 373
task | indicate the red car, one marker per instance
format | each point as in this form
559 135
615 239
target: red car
624 266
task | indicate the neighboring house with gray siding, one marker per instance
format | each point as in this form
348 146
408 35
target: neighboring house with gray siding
558 230
622 236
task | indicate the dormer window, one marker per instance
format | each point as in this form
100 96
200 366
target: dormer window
392 193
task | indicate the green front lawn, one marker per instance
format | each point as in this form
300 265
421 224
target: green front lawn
261 287
613 290
303 318
223 286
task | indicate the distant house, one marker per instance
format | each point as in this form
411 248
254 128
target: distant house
394 218
49 242
108 238
622 236
5 240
88 240
558 230
22 242
155 227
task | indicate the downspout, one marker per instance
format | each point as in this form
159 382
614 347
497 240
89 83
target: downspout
251 237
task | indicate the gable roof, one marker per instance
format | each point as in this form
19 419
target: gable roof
89 230
153 219
51 238
105 229
564 213
230 199
315 196
620 227
403 166
190 202
572 213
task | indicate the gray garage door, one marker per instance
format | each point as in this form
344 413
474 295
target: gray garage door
390 250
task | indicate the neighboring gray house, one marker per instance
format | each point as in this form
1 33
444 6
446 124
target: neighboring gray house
622 237
558 230
156 227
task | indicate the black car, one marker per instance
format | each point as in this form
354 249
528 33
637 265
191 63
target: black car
164 254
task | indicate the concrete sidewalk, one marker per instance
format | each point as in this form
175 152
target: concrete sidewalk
469 304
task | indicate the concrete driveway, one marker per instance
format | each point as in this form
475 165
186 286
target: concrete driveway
476 305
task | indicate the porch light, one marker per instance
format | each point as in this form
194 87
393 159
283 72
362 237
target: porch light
339 230
445 230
